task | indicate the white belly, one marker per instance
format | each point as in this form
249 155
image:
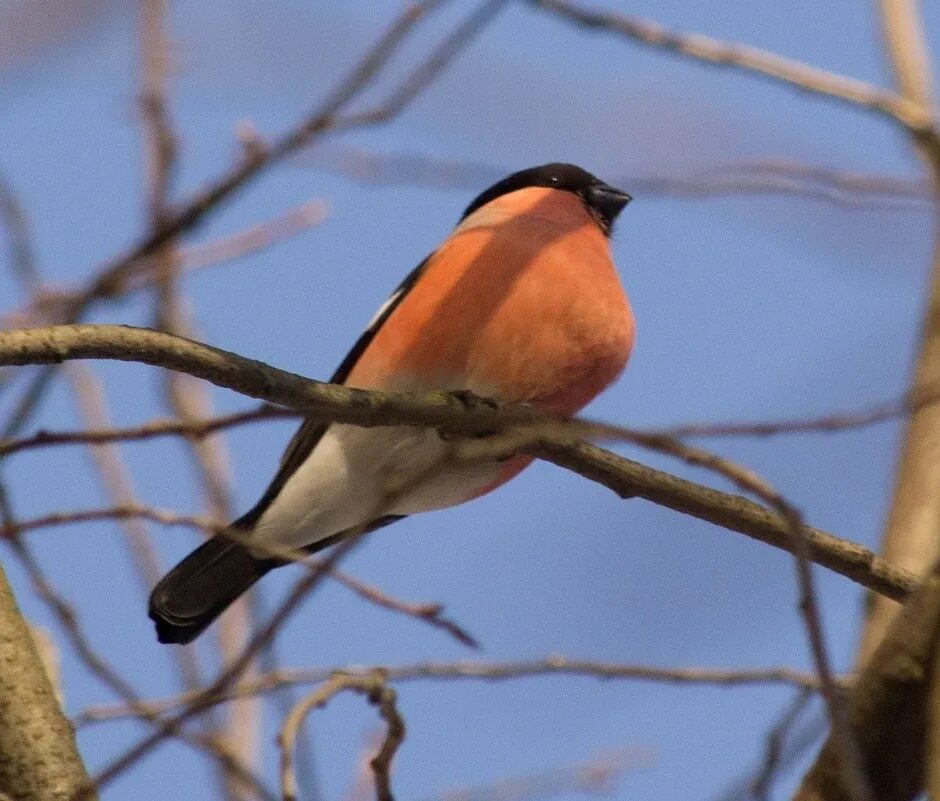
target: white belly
356 475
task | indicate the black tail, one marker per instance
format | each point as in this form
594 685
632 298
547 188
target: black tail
202 586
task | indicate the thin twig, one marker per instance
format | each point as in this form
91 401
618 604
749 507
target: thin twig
827 423
595 776
778 754
229 676
555 665
372 685
747 59
833 422
194 429
430 613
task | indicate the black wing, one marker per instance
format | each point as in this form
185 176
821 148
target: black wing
312 430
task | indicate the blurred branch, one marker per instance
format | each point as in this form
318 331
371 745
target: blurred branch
781 747
744 58
49 302
457 414
119 489
761 177
430 613
324 120
158 428
22 257
555 665
595 776
839 421
258 237
114 473
907 50
376 689
910 537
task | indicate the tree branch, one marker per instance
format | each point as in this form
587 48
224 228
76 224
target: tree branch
38 757
556 665
888 706
451 412
375 687
747 59
910 537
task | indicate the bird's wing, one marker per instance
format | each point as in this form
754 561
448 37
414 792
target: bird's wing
311 431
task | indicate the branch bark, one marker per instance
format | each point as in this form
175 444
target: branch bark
39 760
745 58
910 538
888 707
450 412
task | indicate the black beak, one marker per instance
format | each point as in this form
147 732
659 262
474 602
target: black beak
607 200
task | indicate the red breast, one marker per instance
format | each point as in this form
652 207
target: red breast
522 302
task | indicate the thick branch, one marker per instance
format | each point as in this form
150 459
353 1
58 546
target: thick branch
38 757
888 706
910 538
454 413
632 479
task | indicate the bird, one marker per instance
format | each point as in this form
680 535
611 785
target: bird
521 303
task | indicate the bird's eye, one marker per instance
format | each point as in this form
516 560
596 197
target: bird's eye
554 179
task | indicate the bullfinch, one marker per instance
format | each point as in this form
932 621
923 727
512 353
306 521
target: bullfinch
521 304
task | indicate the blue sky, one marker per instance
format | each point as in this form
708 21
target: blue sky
747 307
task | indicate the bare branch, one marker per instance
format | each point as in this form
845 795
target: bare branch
910 536
888 707
324 120
778 754
851 759
556 665
110 513
747 59
373 686
68 620
48 303
907 48
228 677
760 177
258 237
448 412
828 423
595 776
430 613
40 760
194 429
630 479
